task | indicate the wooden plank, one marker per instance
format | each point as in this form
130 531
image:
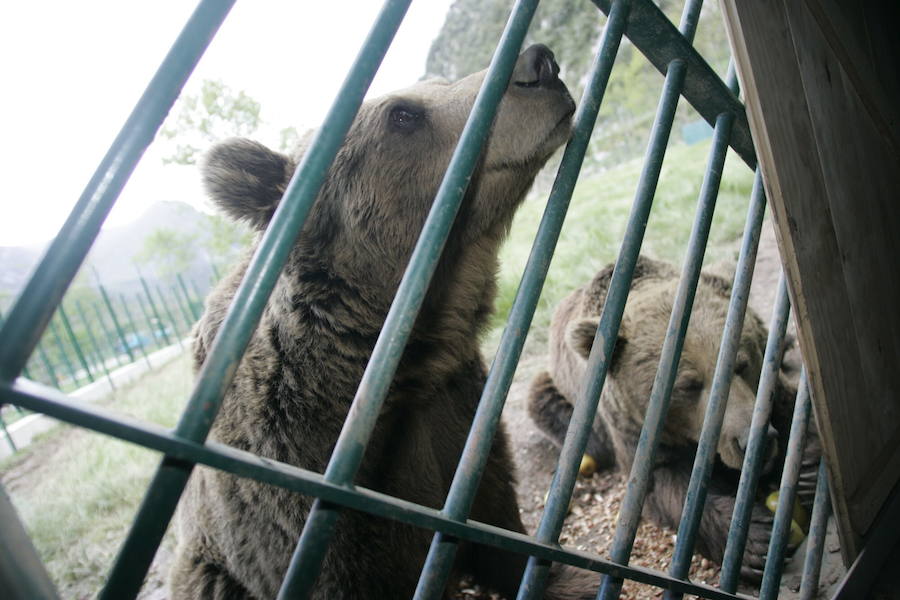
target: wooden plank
832 180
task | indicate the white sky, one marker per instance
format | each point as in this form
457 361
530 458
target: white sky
72 71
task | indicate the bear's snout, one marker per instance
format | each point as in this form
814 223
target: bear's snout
536 67
770 446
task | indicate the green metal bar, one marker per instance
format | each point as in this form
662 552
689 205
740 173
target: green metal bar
250 299
818 528
67 325
150 323
98 351
61 350
21 570
48 366
657 38
168 312
787 493
439 562
187 297
108 335
753 456
245 464
184 308
695 498
307 559
134 330
115 319
67 251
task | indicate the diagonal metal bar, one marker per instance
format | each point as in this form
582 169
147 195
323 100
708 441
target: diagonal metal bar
21 570
307 559
787 493
58 267
51 402
753 457
818 525
440 558
660 41
243 315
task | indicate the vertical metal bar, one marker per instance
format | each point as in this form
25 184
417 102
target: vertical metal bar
98 350
21 570
59 265
61 350
67 325
249 300
721 384
535 578
818 528
184 307
115 319
108 336
48 366
753 456
187 297
134 330
152 318
440 558
670 355
787 493
307 559
166 311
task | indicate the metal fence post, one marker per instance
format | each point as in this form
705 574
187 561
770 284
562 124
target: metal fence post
153 320
61 351
134 330
187 297
115 319
98 350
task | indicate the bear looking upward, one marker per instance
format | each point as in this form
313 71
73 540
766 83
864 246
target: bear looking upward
294 386
623 402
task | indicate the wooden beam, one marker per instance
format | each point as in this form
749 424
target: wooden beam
832 176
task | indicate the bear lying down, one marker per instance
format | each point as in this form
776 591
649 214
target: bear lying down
623 402
294 386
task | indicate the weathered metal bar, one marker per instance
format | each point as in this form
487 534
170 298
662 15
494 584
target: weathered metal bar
115 319
695 498
439 562
21 570
67 325
657 38
45 400
61 351
818 528
59 265
250 299
753 456
195 315
307 559
97 349
134 329
787 493
158 323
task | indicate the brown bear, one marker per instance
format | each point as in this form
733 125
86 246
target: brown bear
293 388
626 393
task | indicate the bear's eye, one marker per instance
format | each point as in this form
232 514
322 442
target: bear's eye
741 364
405 118
691 384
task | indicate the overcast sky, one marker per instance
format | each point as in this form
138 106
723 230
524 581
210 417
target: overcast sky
72 71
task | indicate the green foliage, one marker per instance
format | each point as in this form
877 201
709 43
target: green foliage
288 139
217 112
223 239
169 250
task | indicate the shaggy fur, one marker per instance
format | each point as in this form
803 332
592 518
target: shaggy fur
293 388
626 394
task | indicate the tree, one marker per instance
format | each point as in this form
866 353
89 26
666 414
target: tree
224 238
168 250
198 120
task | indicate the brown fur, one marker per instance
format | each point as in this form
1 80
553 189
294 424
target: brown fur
294 386
626 393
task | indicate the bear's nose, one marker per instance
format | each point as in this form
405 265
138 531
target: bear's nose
771 439
536 67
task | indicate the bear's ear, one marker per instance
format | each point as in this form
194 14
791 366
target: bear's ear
581 335
246 179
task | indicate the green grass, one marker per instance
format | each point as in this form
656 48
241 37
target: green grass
78 491
595 226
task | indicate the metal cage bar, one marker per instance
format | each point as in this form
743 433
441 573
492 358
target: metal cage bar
468 473
818 526
753 456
